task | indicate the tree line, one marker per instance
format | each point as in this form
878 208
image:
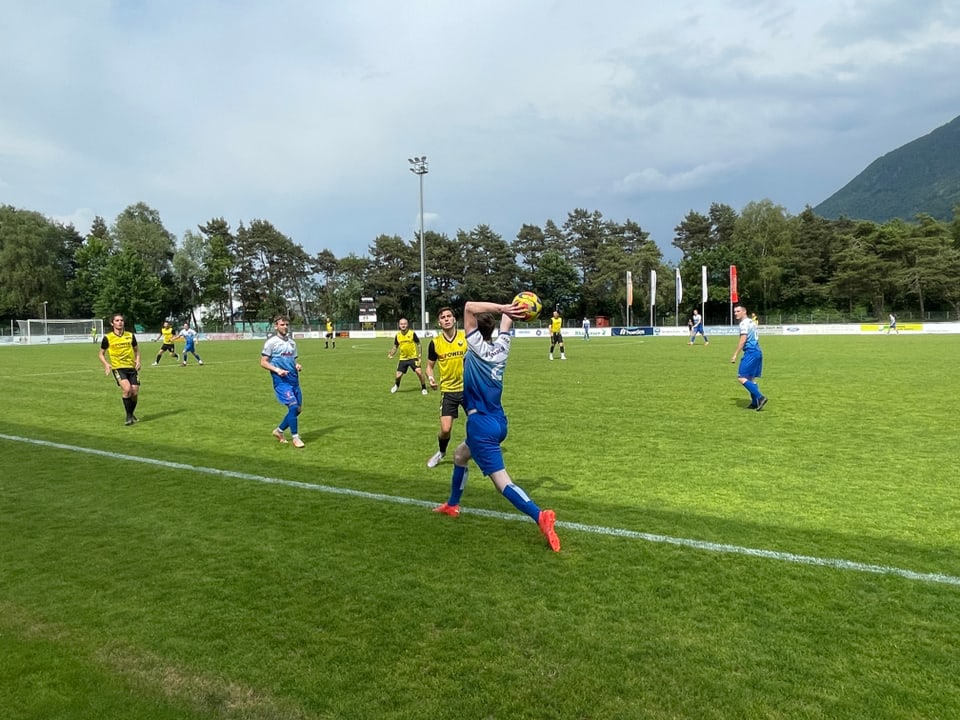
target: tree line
787 264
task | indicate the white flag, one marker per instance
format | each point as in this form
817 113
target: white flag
703 272
679 287
653 288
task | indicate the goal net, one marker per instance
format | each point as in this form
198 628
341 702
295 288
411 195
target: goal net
60 331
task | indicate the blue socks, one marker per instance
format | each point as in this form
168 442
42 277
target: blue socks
290 421
754 391
457 484
521 501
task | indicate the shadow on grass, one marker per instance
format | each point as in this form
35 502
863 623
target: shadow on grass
329 469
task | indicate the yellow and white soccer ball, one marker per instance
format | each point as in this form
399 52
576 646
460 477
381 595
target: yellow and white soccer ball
531 302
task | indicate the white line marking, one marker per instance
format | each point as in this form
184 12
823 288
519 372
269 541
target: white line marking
835 563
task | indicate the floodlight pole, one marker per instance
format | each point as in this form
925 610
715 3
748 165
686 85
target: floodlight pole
45 321
418 166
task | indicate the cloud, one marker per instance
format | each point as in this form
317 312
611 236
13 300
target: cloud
652 180
305 114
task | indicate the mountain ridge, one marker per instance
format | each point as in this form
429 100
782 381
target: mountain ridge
922 176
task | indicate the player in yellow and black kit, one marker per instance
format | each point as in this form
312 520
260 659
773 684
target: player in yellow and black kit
556 336
448 349
121 357
330 337
407 342
166 335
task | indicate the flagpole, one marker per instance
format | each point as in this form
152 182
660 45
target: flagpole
676 298
653 294
703 296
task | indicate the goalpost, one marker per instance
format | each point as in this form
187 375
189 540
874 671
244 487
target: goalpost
60 331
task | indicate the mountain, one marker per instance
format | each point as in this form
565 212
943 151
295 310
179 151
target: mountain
922 176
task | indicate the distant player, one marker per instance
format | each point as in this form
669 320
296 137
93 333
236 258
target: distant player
407 342
189 336
893 324
483 369
120 356
329 337
696 323
279 356
446 351
751 363
556 336
166 345
586 328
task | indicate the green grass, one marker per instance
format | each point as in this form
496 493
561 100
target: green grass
136 590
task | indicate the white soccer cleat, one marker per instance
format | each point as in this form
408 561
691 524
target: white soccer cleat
435 459
424 392
393 389
297 442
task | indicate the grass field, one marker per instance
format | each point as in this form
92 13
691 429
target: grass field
800 562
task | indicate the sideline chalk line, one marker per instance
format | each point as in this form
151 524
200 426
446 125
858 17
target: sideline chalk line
836 563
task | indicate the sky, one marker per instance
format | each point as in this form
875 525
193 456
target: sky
305 113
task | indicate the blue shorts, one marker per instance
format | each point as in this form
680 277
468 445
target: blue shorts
751 364
484 435
288 394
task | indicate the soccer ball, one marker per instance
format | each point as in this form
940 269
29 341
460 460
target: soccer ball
531 302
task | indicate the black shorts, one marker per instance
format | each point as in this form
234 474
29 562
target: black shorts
449 402
556 338
405 365
329 336
128 374
168 347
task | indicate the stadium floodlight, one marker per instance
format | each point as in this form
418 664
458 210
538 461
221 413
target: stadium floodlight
418 166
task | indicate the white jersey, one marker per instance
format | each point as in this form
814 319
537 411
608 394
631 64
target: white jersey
749 328
282 353
483 368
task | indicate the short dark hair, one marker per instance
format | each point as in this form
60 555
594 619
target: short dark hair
444 309
486 322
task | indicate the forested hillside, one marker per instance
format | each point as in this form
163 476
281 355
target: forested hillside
923 176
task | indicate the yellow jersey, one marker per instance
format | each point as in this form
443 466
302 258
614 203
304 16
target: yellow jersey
167 334
119 349
449 354
408 343
556 323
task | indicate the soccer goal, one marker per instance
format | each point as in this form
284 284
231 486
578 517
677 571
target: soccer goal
60 331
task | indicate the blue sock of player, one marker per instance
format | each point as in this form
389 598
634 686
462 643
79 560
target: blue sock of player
457 483
290 420
521 501
752 388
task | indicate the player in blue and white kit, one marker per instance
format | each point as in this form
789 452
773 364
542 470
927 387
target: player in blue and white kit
696 328
279 356
483 368
751 363
189 336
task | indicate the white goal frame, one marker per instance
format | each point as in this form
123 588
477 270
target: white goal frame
40 330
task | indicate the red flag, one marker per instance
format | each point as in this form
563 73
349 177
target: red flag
733 284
